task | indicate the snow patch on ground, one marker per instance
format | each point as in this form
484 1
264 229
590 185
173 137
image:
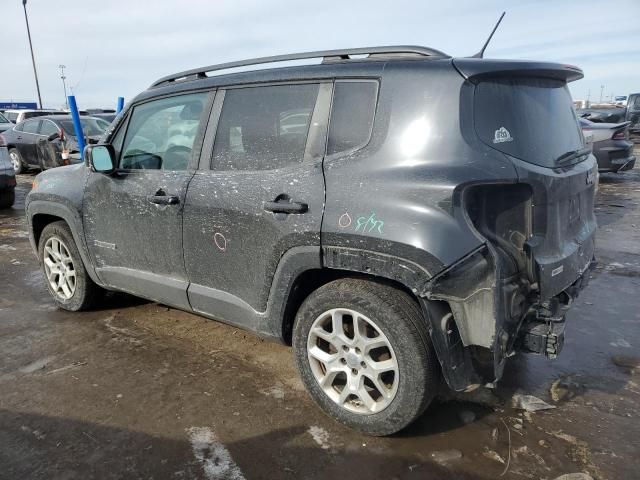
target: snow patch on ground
215 459
321 436
275 392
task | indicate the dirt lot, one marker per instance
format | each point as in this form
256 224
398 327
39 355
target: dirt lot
139 390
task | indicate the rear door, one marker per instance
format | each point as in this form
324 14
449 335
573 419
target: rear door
259 193
133 219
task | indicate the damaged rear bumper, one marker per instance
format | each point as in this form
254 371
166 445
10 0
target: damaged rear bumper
479 317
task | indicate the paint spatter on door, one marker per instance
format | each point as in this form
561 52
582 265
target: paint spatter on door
221 242
215 459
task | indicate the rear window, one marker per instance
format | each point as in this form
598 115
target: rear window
12 116
529 118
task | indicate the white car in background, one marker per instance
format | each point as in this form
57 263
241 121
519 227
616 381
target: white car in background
19 115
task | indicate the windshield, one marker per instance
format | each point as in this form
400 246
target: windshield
91 127
3 119
529 118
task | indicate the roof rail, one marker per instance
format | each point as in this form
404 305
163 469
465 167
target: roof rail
327 55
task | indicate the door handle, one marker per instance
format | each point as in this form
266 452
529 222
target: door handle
284 206
161 198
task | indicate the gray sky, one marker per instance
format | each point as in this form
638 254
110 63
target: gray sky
118 47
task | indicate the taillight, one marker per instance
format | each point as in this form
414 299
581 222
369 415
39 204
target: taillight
620 135
3 142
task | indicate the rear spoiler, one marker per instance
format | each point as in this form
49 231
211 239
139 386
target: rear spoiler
478 68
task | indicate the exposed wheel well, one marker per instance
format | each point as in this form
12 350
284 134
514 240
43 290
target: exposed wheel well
41 220
313 279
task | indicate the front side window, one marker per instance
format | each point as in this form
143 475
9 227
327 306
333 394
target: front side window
264 128
3 119
161 133
30 126
352 112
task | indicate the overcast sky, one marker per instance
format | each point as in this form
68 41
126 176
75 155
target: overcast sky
118 47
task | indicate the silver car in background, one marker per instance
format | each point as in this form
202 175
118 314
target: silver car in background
611 145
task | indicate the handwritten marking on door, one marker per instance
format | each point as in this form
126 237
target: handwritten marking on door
220 241
345 220
371 223
363 224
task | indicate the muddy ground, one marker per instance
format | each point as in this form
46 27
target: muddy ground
139 390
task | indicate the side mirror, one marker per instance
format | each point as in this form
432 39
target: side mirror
53 136
101 158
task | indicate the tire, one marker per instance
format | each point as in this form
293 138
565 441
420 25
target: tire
81 293
7 198
385 315
17 161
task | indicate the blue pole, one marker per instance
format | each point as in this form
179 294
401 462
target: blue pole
120 105
75 115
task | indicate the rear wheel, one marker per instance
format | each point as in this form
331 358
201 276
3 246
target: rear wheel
16 161
67 280
364 354
7 198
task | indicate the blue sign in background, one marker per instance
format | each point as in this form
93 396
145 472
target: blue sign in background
18 105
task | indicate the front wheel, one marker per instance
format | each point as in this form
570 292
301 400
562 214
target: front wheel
364 354
67 280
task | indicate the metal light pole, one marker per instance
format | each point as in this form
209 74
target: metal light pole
33 60
64 85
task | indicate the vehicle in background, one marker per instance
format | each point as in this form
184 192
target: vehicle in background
611 145
5 123
392 241
617 114
621 100
633 116
108 117
49 141
20 115
603 115
7 179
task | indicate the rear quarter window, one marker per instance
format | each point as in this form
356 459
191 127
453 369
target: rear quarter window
352 114
528 118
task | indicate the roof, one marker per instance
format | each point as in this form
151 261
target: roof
328 56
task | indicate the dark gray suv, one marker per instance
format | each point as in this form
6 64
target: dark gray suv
399 216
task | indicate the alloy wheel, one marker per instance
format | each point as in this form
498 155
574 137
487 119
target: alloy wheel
15 161
353 361
59 268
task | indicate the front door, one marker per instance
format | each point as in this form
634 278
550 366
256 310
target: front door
133 218
259 193
27 141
